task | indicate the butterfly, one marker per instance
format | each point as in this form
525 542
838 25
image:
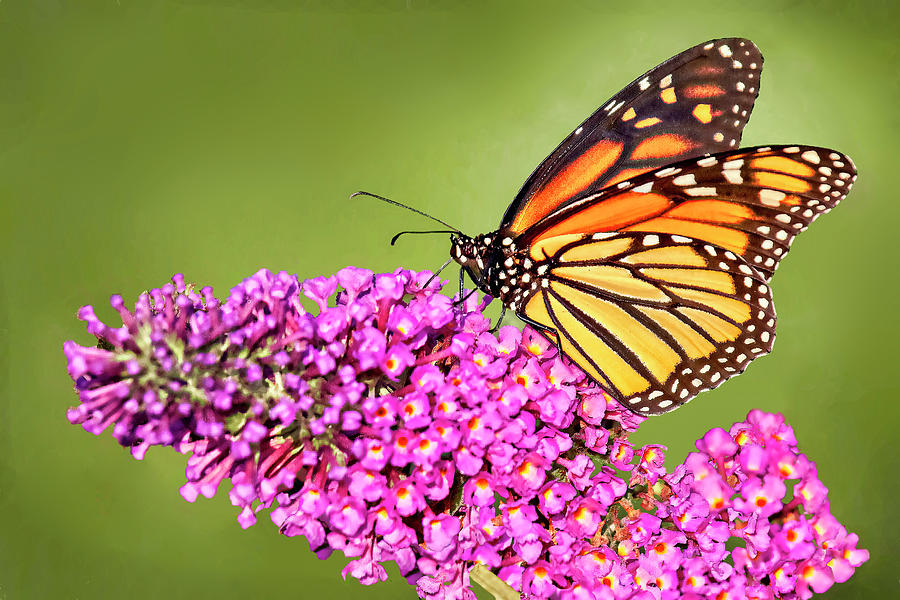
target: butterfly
644 244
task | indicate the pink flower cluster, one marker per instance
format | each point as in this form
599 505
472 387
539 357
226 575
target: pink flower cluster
394 426
731 494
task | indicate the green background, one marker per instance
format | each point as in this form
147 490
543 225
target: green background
143 138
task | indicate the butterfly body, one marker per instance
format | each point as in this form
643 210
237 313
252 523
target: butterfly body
644 244
498 266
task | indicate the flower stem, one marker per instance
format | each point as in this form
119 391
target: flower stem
492 584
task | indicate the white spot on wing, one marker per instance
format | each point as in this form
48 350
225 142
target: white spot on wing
811 156
771 197
733 176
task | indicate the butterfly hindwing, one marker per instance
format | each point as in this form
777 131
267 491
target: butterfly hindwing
751 201
654 318
693 104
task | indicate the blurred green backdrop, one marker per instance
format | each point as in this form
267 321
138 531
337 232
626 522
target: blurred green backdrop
143 138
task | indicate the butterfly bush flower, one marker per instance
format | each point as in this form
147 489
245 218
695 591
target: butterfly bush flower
391 424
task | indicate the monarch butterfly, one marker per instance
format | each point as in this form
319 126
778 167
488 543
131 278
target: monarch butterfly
644 244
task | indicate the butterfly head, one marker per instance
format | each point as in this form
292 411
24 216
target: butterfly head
472 254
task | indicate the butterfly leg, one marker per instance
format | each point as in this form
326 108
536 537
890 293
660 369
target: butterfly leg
500 320
434 275
462 299
548 331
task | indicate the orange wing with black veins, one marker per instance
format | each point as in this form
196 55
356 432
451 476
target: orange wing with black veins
751 201
693 104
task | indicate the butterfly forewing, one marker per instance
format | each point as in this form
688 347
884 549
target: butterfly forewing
752 201
693 104
654 318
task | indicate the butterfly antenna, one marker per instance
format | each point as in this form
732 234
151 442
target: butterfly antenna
394 239
410 208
